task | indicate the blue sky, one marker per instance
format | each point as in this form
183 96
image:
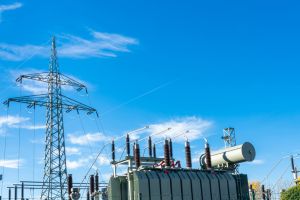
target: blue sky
196 65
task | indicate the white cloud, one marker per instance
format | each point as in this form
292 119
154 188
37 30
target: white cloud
72 151
17 53
38 141
106 176
196 156
103 160
86 161
33 127
11 121
88 138
77 163
34 87
256 162
11 163
195 126
8 7
99 45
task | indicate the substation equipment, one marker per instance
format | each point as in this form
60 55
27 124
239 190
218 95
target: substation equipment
153 178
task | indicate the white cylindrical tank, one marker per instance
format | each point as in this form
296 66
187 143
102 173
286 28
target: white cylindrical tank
237 154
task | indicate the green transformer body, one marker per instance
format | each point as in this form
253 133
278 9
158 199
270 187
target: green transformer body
178 184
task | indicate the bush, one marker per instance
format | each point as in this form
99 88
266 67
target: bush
292 193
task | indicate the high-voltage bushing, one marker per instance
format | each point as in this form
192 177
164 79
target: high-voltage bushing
92 186
70 185
294 170
167 153
263 192
188 158
150 146
128 145
97 183
154 150
207 156
171 148
232 155
133 146
137 157
113 152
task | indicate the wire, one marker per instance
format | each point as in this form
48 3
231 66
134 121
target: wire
158 133
100 152
137 97
280 178
22 63
19 136
33 159
4 155
275 166
84 132
115 108
182 133
89 144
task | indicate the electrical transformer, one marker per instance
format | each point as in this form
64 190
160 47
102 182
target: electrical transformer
152 178
172 184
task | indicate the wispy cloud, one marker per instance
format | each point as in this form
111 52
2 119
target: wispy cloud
256 162
72 151
11 121
77 163
88 138
103 160
196 156
195 126
99 44
11 163
34 87
85 161
8 7
33 127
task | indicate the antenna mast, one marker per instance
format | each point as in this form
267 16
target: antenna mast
55 169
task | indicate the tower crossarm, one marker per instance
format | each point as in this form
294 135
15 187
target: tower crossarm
31 100
45 77
67 103
70 104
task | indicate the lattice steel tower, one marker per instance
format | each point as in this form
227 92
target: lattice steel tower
229 137
55 169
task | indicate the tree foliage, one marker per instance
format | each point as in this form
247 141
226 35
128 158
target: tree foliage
292 193
256 186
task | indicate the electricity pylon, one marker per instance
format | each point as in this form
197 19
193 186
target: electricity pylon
55 169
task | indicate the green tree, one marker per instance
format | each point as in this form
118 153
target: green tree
292 193
256 186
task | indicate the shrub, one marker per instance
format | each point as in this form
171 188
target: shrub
292 193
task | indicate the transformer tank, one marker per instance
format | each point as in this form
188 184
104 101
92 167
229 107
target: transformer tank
232 155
